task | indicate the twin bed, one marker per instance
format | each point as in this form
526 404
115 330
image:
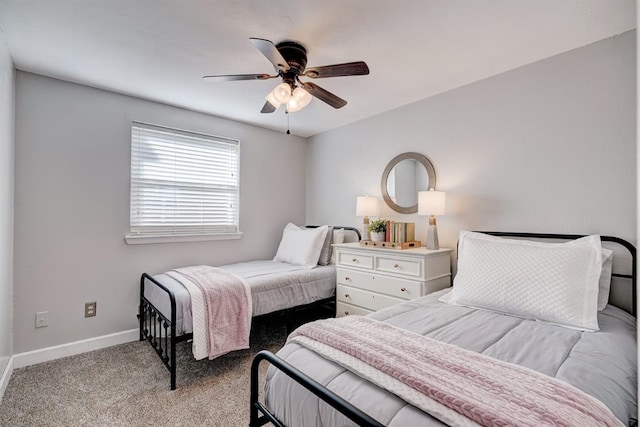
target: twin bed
311 384
166 314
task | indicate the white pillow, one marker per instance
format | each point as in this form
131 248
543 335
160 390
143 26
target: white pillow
552 282
604 284
301 246
338 237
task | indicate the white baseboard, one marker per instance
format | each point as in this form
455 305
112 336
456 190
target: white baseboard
21 360
6 376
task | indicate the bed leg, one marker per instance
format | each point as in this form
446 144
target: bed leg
174 362
289 318
253 414
173 376
141 322
141 309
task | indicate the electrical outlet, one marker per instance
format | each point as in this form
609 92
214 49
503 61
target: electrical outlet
90 309
42 319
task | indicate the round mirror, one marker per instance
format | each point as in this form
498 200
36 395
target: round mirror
402 179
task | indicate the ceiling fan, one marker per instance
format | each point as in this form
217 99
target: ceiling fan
290 61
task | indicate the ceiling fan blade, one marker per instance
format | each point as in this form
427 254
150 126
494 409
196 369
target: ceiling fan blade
358 68
268 108
271 52
234 77
324 95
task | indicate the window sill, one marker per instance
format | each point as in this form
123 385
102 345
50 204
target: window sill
146 240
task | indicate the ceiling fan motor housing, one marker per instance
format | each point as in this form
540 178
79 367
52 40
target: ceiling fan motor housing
295 54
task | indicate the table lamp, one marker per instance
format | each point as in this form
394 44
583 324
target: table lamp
366 206
432 203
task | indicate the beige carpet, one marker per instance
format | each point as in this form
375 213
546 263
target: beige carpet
127 385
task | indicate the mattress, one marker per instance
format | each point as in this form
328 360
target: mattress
602 364
274 286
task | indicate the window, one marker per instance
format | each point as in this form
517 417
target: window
184 185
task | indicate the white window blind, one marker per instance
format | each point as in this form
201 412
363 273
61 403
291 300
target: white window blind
182 183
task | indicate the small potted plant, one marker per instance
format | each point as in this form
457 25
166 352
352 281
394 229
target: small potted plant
377 229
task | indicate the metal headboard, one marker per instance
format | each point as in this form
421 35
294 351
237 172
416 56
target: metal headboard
355 230
617 240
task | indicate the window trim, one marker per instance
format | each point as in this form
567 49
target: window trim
134 239
141 239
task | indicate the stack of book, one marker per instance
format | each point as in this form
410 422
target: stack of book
400 232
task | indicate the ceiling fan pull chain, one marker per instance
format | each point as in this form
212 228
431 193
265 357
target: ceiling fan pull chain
288 131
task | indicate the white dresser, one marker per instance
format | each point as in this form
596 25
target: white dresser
370 279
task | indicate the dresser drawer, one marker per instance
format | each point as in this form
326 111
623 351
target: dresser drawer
355 259
396 265
369 300
401 288
343 309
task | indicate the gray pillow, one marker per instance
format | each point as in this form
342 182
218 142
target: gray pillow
325 254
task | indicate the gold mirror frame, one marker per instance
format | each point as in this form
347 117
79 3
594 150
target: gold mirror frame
424 161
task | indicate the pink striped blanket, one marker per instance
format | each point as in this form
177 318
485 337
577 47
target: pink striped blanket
221 309
457 386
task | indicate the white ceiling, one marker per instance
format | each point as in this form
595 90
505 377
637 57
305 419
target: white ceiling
160 49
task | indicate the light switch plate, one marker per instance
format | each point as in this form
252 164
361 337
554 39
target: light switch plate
42 319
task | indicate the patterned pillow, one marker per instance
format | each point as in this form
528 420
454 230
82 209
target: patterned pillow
604 285
338 237
325 254
552 282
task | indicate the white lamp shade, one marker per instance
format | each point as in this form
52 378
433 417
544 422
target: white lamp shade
282 93
366 206
431 202
300 99
272 100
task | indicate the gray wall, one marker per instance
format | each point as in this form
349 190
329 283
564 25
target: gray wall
72 206
7 84
548 147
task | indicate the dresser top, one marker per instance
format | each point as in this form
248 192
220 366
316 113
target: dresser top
412 251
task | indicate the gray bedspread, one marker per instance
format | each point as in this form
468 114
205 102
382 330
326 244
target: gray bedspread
274 286
602 364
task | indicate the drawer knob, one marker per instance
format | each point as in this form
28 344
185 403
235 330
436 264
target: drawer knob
354 260
403 289
347 278
346 295
396 265
346 313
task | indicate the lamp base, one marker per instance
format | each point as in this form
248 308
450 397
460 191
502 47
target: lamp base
365 229
432 234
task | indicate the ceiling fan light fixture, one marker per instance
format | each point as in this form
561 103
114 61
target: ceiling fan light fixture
300 99
272 100
282 93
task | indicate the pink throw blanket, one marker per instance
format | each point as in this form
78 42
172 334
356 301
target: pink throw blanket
226 303
457 386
